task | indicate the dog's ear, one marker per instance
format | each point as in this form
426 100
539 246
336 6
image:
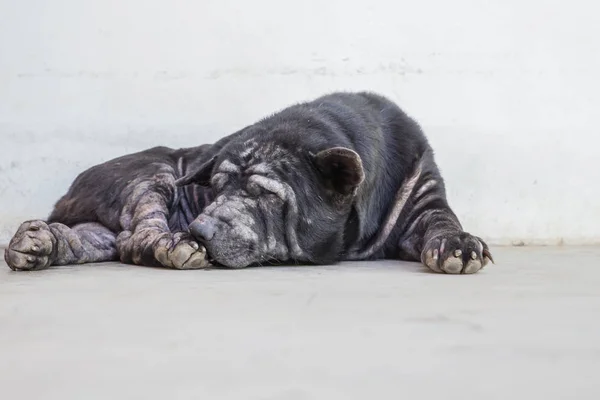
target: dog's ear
341 169
199 176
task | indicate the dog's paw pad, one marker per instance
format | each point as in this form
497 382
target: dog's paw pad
459 253
31 247
184 253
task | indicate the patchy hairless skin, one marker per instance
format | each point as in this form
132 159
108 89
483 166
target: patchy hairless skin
127 209
348 176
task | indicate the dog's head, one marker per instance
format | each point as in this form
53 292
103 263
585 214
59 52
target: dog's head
276 200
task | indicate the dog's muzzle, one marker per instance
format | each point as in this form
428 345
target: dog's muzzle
203 228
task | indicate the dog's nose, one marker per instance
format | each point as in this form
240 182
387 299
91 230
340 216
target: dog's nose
203 228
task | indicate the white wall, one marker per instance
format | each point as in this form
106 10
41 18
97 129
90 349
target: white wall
505 89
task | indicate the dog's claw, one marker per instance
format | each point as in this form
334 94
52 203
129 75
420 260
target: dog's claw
453 253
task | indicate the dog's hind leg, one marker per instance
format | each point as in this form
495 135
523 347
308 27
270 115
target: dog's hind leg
38 245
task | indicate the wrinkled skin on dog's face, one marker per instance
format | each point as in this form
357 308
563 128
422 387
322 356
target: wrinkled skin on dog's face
275 204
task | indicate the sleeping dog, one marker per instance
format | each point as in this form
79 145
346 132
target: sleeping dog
347 176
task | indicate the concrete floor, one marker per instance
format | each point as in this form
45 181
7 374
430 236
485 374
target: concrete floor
527 328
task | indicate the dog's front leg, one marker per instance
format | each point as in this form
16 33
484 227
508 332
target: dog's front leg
437 238
432 233
146 238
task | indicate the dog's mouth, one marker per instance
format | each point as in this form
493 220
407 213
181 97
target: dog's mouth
209 257
213 261
267 261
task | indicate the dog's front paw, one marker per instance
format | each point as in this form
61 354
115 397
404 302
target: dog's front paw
456 253
31 247
182 253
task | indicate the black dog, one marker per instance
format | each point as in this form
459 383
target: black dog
348 176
